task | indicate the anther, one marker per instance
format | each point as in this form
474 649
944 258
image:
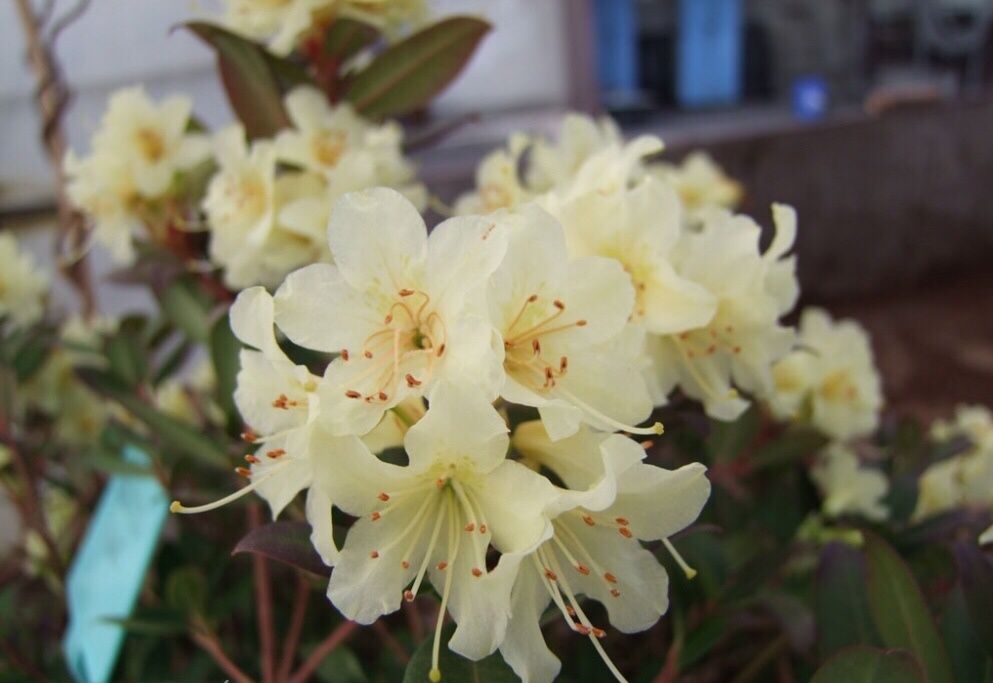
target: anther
647 443
388 319
609 578
275 453
536 347
550 575
405 565
615 593
482 528
583 630
382 396
581 323
623 521
251 458
412 381
558 304
563 364
344 355
441 349
440 483
532 298
477 572
383 496
442 566
374 554
583 569
589 520
625 532
406 292
570 611
249 436
470 527
243 471
599 632
408 595
351 393
367 354
376 516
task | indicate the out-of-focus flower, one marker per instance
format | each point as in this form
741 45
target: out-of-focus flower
700 183
391 16
607 211
23 285
402 310
561 323
438 517
262 226
136 154
830 379
498 185
553 164
613 501
350 152
743 340
847 486
965 479
278 23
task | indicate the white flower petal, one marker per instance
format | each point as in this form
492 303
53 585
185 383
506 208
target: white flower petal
524 648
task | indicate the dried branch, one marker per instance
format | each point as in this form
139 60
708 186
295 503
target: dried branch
263 599
337 637
53 96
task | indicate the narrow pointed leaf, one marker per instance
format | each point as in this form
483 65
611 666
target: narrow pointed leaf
176 437
841 605
870 665
286 542
976 574
407 75
224 348
900 612
249 80
347 37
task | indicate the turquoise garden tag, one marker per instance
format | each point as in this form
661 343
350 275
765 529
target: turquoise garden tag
108 570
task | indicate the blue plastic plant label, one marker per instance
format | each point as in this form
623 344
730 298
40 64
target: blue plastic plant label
109 569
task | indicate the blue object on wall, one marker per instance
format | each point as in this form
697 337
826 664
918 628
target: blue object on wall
616 31
109 569
810 97
709 52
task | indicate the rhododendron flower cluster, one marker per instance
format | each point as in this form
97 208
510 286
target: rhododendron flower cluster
585 303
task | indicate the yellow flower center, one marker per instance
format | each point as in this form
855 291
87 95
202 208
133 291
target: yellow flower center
150 143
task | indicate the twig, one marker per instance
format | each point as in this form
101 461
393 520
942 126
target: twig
33 512
53 96
263 597
208 643
670 670
337 637
761 660
292 639
19 662
390 641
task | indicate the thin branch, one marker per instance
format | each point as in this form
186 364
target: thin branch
763 659
263 599
292 640
391 642
53 96
208 643
19 662
67 19
34 514
337 637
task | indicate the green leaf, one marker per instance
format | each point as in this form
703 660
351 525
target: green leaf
31 355
841 605
790 446
702 640
286 542
175 436
184 306
153 622
249 80
125 356
224 353
456 669
727 440
407 75
899 611
870 665
347 37
186 590
968 656
341 666
976 573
